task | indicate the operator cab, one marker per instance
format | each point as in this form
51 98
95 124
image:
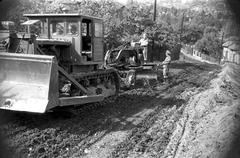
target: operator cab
79 37
6 28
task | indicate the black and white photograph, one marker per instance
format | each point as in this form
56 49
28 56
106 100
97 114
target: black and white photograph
119 78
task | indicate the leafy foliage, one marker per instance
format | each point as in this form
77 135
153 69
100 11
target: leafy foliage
231 28
210 43
126 23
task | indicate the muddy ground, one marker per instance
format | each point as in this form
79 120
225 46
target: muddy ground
193 116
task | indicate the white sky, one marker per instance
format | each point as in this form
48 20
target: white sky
122 1
125 1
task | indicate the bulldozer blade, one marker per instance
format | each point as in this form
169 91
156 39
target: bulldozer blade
146 75
28 82
79 100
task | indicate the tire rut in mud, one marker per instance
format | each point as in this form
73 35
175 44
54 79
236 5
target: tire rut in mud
151 136
34 135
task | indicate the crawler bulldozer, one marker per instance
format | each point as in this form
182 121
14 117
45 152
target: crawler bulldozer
54 63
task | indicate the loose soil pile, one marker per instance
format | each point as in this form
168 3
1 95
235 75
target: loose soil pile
210 123
191 116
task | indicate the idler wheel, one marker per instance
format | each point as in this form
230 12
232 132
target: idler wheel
107 84
105 79
97 81
86 83
99 91
111 80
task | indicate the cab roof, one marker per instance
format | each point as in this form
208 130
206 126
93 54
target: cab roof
61 15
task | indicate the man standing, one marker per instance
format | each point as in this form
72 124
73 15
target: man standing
166 64
144 44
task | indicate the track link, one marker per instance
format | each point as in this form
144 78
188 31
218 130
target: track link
103 75
94 79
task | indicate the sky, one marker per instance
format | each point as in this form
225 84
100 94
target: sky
122 1
125 1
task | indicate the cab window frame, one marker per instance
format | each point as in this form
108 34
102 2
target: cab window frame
52 28
98 29
76 25
84 29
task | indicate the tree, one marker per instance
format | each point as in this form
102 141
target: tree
136 19
210 44
231 27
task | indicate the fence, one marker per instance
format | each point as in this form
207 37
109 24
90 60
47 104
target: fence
190 49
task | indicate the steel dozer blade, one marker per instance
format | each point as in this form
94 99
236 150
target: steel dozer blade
146 75
28 82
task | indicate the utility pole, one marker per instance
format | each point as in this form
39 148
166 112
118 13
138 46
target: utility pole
155 10
154 19
181 29
220 56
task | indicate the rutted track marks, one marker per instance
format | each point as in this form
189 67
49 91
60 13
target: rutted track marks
44 135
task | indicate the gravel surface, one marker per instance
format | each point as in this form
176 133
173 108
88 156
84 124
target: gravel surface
140 123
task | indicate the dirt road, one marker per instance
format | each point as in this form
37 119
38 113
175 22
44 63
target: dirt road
147 121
